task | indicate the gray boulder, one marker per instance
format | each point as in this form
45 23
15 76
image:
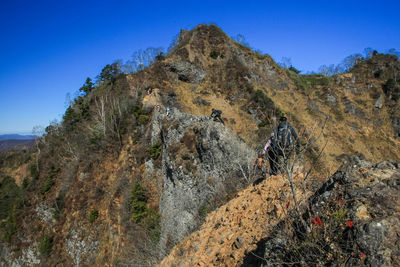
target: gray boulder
379 102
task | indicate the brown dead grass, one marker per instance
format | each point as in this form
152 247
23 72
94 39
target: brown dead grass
244 126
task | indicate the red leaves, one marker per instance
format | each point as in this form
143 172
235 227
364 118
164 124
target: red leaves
288 204
317 221
341 202
350 223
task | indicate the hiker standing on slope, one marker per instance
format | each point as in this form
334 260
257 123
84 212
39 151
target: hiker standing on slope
216 114
283 143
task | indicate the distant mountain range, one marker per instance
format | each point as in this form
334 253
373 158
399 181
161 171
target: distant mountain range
8 141
16 137
16 144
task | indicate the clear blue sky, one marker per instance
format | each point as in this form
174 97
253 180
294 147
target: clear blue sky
48 48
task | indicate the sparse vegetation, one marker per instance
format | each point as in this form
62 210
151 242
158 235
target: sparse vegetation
307 83
263 100
93 215
11 201
266 108
141 213
203 210
143 119
155 150
46 245
291 68
214 54
50 179
392 89
201 102
34 171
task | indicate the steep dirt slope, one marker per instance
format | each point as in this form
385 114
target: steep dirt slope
236 227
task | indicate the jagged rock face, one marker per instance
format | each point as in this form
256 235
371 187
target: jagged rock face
242 69
396 126
187 72
368 195
200 163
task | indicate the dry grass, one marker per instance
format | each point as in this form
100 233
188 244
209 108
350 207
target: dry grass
338 132
244 126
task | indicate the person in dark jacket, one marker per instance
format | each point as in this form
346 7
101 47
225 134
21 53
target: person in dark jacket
216 114
283 143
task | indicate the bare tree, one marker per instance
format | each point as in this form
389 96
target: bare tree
286 62
100 110
247 167
173 44
239 38
368 52
323 70
39 132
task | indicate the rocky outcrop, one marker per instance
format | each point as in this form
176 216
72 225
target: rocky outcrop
396 126
379 102
201 163
187 71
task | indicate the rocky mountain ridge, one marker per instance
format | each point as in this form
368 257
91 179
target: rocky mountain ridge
120 182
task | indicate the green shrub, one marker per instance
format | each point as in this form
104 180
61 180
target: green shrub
138 202
93 215
391 88
143 119
141 213
11 202
278 112
152 223
155 150
203 210
339 215
46 246
294 69
9 227
47 185
50 180
307 83
160 56
9 195
263 123
214 54
25 183
263 100
70 118
34 171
